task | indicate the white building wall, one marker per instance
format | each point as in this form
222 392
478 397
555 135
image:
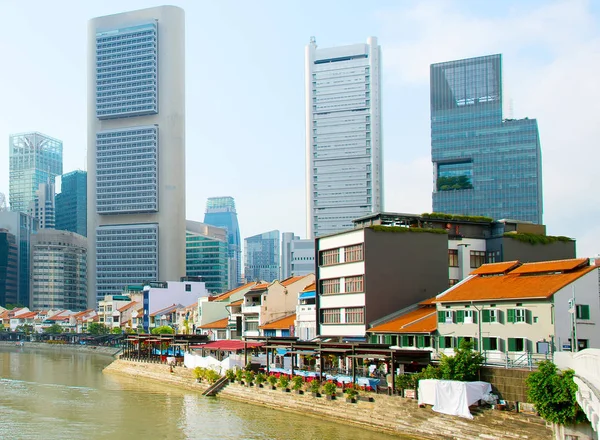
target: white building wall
175 293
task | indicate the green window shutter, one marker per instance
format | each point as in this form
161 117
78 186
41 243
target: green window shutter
420 341
585 312
475 313
460 316
475 344
510 315
512 344
388 339
485 316
374 339
442 342
458 341
528 316
441 316
500 316
501 344
486 344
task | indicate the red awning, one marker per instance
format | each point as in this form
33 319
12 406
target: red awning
228 345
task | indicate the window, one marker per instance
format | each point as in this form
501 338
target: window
452 257
466 316
518 315
452 282
115 319
469 317
477 259
355 315
490 315
582 344
330 316
330 286
446 316
408 341
353 253
582 311
354 284
251 326
330 257
517 344
188 287
446 342
490 344
221 334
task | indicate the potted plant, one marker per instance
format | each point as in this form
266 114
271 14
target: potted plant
315 388
272 381
211 376
260 379
199 373
239 376
329 389
230 375
249 377
297 382
351 395
284 381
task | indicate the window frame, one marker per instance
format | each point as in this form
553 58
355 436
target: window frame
453 258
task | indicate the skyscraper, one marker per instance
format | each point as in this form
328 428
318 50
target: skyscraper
136 148
482 164
42 208
34 158
261 261
71 203
207 255
344 166
287 238
8 268
221 212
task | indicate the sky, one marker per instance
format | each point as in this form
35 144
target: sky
245 93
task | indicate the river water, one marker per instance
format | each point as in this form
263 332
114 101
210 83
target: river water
49 395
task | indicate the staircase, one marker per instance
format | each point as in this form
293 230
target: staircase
216 387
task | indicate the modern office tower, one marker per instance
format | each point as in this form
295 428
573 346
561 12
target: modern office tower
207 255
136 149
42 208
286 254
261 258
344 165
482 164
58 270
34 158
221 212
8 268
71 203
21 226
297 256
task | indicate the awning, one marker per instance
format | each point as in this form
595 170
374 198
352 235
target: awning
228 345
282 351
307 295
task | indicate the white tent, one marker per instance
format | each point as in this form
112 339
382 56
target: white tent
451 396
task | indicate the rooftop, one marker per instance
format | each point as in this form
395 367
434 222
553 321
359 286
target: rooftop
421 320
280 323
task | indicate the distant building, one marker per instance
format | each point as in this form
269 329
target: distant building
207 255
58 270
305 326
42 208
302 257
344 164
21 226
261 260
483 164
221 212
71 203
286 254
34 159
9 268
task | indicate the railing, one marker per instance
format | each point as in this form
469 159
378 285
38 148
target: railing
523 360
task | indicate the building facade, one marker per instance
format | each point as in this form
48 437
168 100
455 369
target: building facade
71 203
207 255
136 149
261 258
42 208
58 270
9 268
483 164
34 159
297 255
344 168
286 254
221 212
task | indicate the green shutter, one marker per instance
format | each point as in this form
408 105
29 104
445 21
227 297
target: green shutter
459 340
420 341
442 342
405 340
510 315
512 344
460 316
388 339
500 344
441 317
500 316
374 339
528 316
485 316
585 312
487 344
475 313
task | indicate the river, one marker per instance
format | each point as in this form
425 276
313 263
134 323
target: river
64 395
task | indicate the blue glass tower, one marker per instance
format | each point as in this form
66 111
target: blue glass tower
482 164
71 203
220 212
261 261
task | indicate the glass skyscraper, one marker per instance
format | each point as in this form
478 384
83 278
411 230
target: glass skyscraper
483 164
261 262
34 159
221 212
207 255
8 268
71 203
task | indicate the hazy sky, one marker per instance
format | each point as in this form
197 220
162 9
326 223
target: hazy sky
245 93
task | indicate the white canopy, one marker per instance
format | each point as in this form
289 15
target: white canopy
451 396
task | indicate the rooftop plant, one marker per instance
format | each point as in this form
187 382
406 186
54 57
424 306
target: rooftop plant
469 218
527 237
400 229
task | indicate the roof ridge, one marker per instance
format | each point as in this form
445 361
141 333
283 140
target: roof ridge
419 319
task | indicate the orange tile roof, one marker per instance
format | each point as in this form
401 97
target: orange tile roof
281 323
511 286
239 302
226 295
428 302
169 309
552 266
82 313
192 306
26 315
398 325
221 323
127 306
291 280
425 325
494 268
262 286
310 287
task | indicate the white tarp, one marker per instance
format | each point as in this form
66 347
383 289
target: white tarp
191 360
451 396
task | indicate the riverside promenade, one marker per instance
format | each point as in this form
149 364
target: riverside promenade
390 414
93 349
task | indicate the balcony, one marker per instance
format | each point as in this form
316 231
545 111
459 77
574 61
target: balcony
251 309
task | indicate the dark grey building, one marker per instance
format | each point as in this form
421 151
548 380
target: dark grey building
8 268
71 203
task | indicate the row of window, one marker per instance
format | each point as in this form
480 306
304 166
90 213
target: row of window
354 284
493 315
352 315
477 258
351 254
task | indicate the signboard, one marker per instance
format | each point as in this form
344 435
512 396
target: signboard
566 347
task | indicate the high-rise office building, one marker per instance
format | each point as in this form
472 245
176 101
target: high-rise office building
136 149
297 256
34 159
221 212
8 268
482 164
42 208
58 270
286 254
21 226
344 166
261 257
207 255
71 203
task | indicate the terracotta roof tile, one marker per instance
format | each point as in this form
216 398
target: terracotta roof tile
127 306
226 295
26 315
428 302
551 266
291 280
169 309
281 323
261 286
425 325
239 302
310 287
493 268
221 323
397 325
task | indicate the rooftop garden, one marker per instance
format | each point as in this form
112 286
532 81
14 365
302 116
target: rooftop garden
526 237
401 229
468 218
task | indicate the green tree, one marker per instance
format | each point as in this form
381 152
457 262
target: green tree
96 328
116 331
553 394
54 329
25 328
163 330
463 365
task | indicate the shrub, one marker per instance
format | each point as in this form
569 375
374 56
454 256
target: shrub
260 378
400 229
297 382
464 365
230 374
526 237
163 330
329 388
200 373
284 381
249 376
351 393
315 386
239 375
211 376
272 380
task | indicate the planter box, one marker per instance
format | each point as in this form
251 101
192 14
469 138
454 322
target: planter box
316 394
366 399
273 388
350 399
285 390
260 385
329 397
299 391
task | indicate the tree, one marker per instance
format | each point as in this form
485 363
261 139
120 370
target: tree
464 365
54 329
25 328
553 394
96 328
116 331
163 330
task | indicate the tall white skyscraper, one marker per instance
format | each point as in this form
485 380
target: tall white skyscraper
136 149
344 164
